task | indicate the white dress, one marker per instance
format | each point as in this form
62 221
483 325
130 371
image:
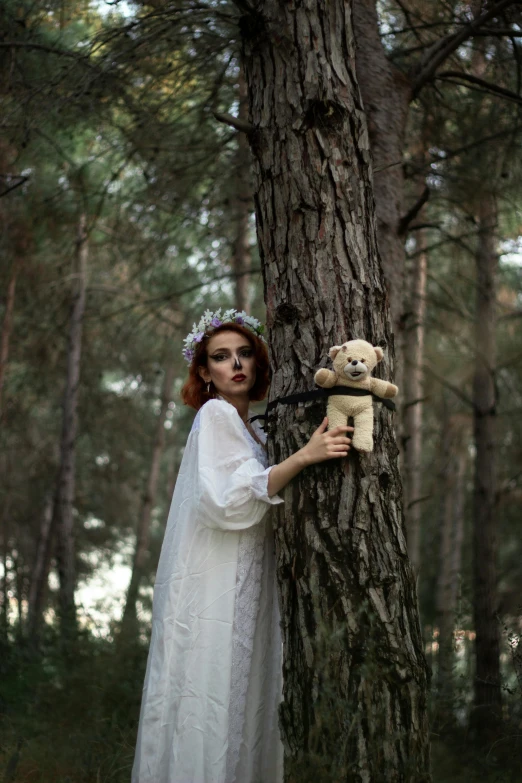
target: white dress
213 680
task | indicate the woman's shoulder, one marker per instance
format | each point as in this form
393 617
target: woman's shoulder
214 410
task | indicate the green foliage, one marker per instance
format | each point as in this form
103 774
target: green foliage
71 723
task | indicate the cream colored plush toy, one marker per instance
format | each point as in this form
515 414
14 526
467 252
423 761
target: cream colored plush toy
353 363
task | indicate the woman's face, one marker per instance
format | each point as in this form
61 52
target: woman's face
231 364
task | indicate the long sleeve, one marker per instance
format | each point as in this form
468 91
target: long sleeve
231 484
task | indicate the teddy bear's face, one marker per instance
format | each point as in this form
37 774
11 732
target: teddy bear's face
355 359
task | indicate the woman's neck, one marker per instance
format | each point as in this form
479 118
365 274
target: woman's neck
241 404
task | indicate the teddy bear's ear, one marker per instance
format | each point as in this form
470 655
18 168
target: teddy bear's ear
334 350
379 353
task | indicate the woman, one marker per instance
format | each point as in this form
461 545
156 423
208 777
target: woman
213 679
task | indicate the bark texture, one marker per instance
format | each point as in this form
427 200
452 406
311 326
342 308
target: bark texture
354 671
65 490
386 94
487 643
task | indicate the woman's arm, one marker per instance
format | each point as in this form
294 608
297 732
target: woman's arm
230 484
322 445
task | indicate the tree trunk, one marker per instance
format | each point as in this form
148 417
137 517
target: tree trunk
454 449
129 618
354 670
413 396
64 499
386 94
4 623
242 207
7 326
40 572
487 699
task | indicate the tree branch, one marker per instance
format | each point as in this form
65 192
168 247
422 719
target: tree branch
418 226
442 49
78 56
459 150
448 385
502 31
413 211
15 179
175 294
234 122
488 87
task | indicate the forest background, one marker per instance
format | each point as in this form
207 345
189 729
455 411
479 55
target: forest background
127 210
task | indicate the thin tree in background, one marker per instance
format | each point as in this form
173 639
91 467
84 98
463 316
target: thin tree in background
354 669
7 325
390 81
488 694
65 488
455 432
413 397
40 572
129 618
242 207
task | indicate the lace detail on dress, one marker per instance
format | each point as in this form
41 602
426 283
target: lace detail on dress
248 589
259 451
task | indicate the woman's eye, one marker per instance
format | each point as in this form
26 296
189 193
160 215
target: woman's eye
221 356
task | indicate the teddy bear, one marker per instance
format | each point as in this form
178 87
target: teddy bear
353 363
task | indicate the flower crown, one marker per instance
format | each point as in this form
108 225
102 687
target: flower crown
210 321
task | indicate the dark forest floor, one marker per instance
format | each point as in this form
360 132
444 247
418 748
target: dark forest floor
76 722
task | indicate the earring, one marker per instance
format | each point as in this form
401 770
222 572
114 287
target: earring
208 387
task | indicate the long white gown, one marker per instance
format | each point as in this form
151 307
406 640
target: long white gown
213 679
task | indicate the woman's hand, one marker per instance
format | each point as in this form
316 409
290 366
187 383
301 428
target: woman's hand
322 445
326 444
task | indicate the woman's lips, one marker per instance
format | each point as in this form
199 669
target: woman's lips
239 378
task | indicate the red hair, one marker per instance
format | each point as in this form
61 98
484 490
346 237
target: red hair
194 391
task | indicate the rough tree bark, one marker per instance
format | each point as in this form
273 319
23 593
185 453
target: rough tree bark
129 618
354 670
65 488
386 94
487 699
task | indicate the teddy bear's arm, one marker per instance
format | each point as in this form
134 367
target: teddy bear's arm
325 378
383 388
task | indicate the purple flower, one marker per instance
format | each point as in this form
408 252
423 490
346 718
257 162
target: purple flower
240 320
215 322
198 337
188 353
